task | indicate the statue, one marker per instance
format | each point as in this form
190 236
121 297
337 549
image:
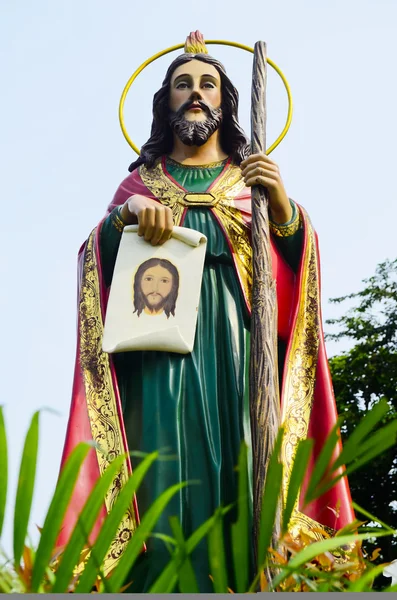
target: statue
196 170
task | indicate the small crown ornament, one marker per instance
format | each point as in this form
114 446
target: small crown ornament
195 43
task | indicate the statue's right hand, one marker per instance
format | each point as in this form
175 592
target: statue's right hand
155 220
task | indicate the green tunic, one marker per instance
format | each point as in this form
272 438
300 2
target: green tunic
194 406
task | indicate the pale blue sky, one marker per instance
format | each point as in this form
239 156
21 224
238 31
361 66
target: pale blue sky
63 66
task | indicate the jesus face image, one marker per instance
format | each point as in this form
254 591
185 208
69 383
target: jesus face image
156 286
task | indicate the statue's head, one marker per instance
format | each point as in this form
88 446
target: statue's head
195 100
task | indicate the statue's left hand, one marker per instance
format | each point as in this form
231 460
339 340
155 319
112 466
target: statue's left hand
258 169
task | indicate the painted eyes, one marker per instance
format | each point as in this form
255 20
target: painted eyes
149 279
184 86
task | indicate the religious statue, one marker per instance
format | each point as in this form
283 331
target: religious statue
196 170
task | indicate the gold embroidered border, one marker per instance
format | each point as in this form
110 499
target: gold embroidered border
302 524
301 365
100 397
225 189
286 230
116 219
214 165
164 189
237 232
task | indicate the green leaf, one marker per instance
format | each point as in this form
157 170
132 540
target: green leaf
25 488
135 545
392 588
377 443
271 499
353 446
216 554
298 473
352 527
80 535
186 575
165 583
3 469
169 541
56 512
322 463
371 517
6 583
383 441
363 584
110 525
240 529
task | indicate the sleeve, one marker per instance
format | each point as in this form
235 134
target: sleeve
289 238
110 236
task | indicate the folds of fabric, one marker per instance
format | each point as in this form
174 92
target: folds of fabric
308 404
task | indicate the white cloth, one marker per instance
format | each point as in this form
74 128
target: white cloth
128 327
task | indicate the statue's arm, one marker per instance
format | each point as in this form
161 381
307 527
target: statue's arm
289 238
155 226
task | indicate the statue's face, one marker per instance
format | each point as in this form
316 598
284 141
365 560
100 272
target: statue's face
195 80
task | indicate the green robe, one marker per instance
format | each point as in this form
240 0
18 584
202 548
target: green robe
195 406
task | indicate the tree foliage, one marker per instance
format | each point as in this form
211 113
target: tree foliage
361 377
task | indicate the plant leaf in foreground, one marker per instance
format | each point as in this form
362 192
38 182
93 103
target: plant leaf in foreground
3 469
56 512
109 527
79 538
25 488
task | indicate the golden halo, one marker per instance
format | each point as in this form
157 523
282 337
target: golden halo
220 43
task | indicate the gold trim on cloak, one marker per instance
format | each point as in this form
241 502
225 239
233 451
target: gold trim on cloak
100 397
220 198
300 377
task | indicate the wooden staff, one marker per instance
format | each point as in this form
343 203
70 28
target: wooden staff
263 374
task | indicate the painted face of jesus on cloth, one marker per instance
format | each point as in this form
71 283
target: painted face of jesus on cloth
156 286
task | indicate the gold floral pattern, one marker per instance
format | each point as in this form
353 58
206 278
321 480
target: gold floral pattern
237 232
301 364
100 396
116 219
286 230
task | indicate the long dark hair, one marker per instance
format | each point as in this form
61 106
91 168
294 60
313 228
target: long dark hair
233 140
170 302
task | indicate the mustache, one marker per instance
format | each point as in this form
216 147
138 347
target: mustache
195 133
181 111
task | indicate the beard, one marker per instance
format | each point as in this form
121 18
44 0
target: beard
195 133
155 307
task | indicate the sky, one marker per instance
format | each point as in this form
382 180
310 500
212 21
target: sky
63 66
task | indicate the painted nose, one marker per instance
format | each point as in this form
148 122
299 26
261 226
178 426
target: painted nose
196 95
